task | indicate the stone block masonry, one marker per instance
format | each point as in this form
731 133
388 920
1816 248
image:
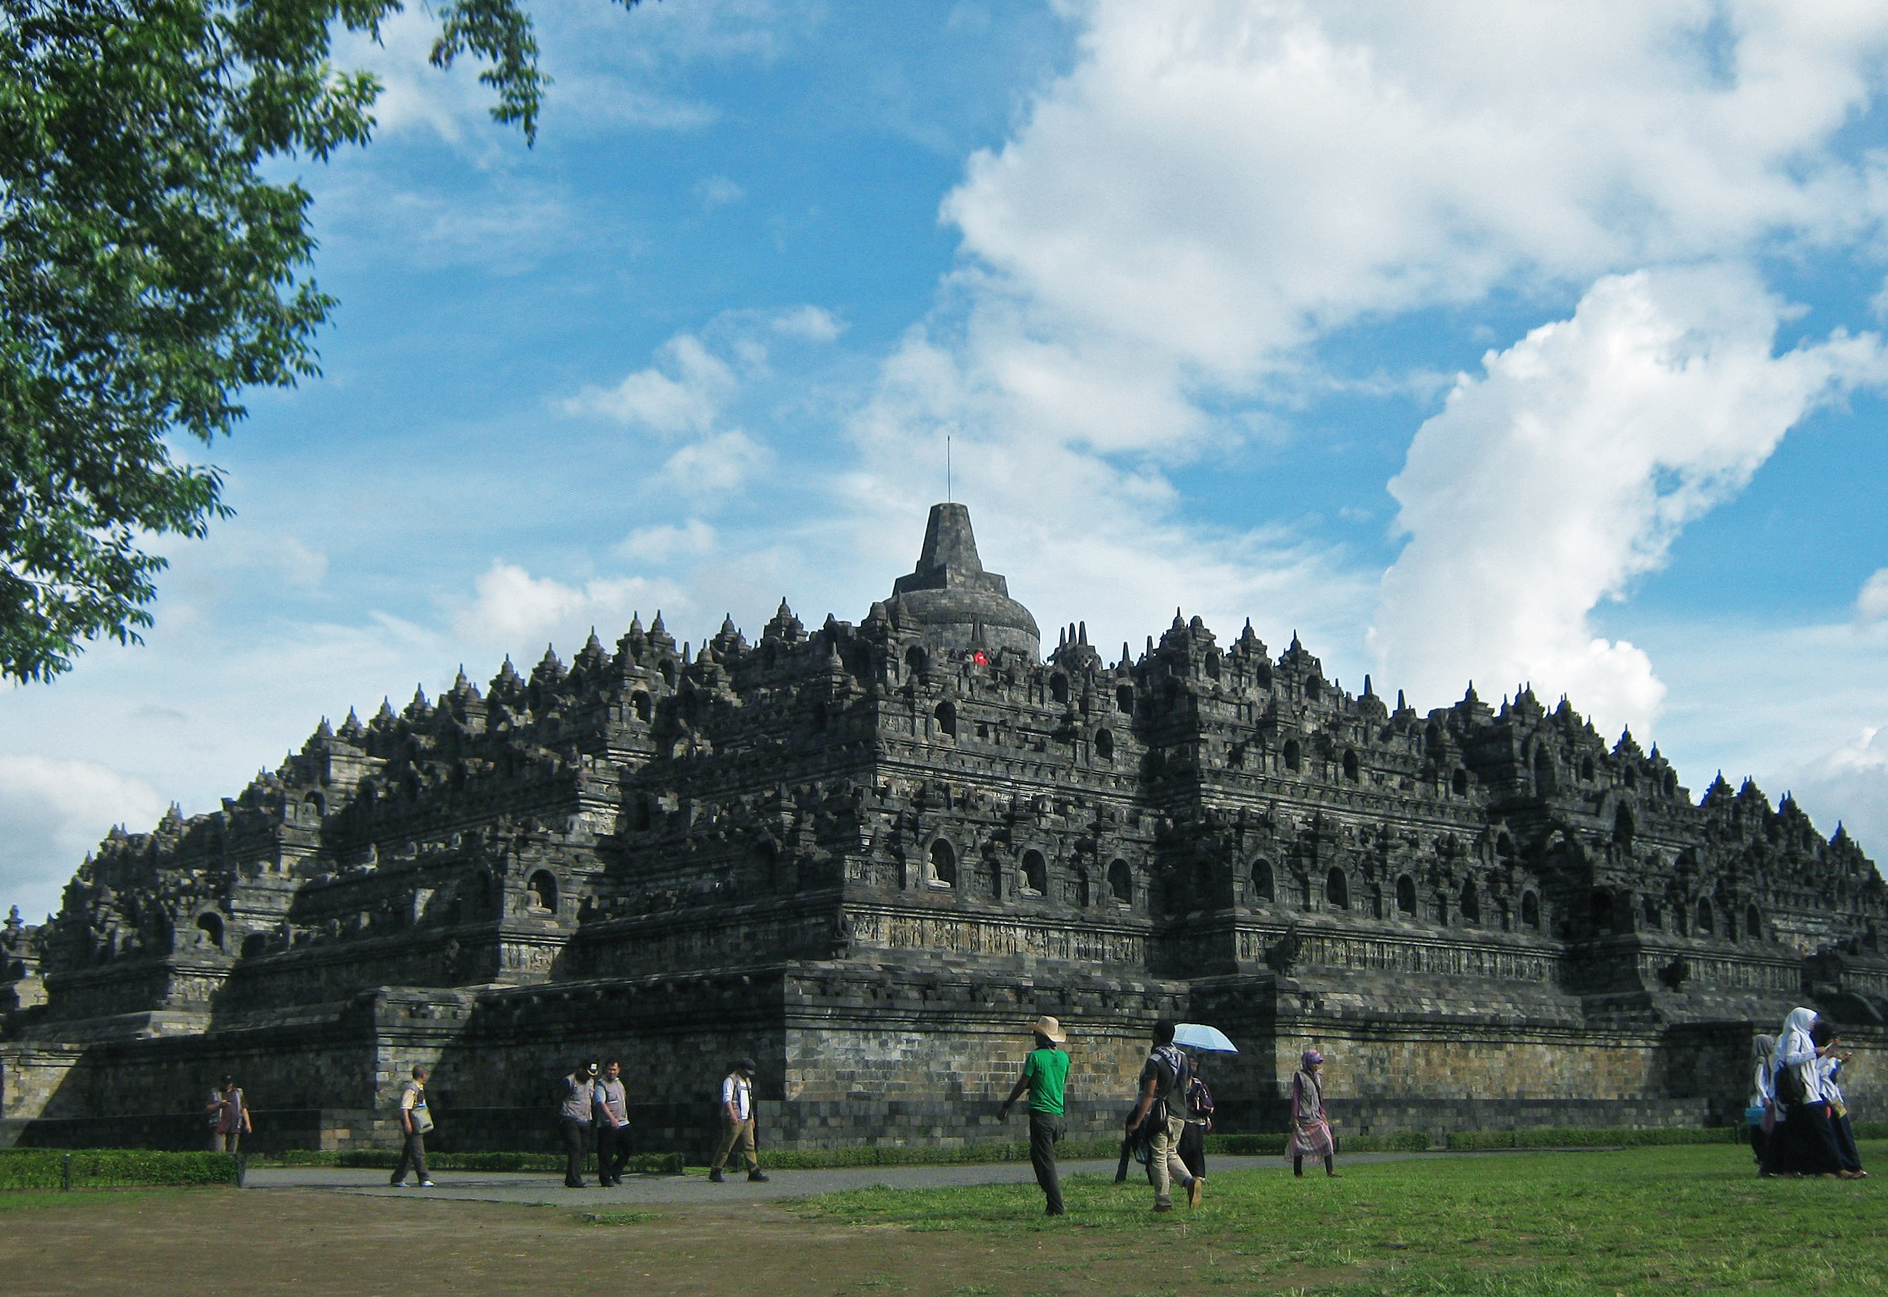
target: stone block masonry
869 855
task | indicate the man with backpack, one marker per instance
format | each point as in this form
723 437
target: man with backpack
737 1121
1162 1104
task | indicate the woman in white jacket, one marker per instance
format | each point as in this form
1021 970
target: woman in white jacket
1804 1144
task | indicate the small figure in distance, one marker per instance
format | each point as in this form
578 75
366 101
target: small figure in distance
1310 1126
1045 1076
611 1110
573 1120
737 1121
1163 1081
229 1117
416 1118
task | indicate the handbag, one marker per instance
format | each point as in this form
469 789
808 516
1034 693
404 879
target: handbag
422 1119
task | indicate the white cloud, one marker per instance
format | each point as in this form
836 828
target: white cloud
685 399
1566 470
718 191
514 608
54 811
714 468
809 324
1220 183
1871 604
660 544
1218 186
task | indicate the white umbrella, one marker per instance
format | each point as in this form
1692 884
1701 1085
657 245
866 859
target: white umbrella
1197 1035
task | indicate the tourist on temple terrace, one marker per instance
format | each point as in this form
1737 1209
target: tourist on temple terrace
1045 1076
1310 1124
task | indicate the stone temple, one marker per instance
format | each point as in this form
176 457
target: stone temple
870 854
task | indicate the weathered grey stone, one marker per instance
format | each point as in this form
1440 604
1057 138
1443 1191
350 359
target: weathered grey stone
870 855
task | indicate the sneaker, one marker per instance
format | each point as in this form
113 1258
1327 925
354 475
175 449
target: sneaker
1196 1191
715 1176
426 1184
396 1184
757 1177
1163 1206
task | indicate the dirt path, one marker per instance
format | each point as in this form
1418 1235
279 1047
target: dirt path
209 1243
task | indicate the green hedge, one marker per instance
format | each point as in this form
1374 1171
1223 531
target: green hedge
383 1159
101 1168
1602 1137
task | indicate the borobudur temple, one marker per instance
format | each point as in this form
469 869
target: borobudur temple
869 855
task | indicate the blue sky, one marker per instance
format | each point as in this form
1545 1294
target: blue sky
1518 343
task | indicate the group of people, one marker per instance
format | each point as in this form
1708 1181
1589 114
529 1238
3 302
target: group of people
1167 1126
1798 1118
595 1107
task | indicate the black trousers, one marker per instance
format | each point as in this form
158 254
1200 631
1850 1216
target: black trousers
1193 1148
575 1140
612 1152
1803 1143
1846 1152
1045 1128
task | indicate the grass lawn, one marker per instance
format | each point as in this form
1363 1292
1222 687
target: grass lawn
1661 1220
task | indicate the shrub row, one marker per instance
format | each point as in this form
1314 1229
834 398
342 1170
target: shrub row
1616 1137
99 1168
383 1159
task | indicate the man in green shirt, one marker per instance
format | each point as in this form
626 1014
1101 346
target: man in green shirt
1045 1075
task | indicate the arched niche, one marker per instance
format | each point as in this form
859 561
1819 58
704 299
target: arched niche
1035 873
946 717
943 864
1530 911
1121 882
1264 884
1406 895
541 892
1337 890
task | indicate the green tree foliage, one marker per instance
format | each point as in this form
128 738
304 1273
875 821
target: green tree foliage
149 273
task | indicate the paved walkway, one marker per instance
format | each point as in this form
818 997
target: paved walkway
694 1187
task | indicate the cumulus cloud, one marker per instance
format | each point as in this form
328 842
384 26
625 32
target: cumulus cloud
1220 183
514 608
1217 188
809 324
1567 468
664 542
682 393
54 811
1871 604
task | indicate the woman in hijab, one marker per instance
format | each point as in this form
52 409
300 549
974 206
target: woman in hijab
1310 1127
1804 1144
1831 1065
1761 1115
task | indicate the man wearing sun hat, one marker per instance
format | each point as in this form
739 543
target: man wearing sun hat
1045 1076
